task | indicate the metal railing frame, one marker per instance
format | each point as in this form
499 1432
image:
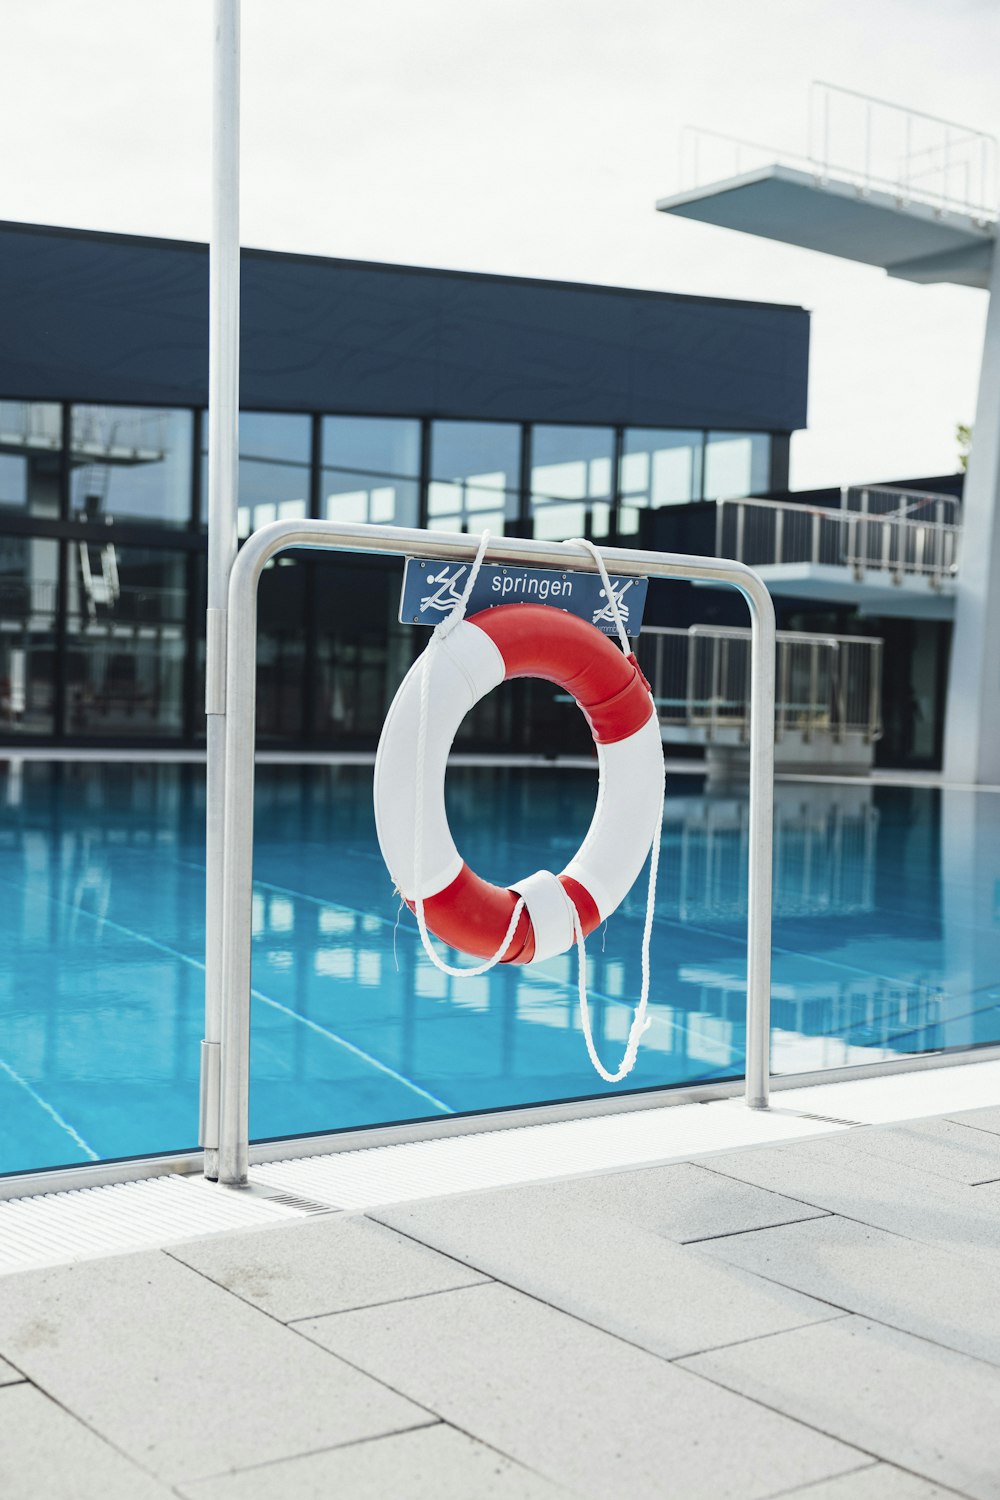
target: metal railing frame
237 811
937 562
705 713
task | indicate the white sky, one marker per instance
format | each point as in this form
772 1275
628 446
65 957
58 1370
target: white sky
521 136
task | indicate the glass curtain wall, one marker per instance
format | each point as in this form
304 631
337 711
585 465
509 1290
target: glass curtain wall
131 462
658 467
101 635
572 486
28 604
275 469
371 470
736 464
475 476
30 457
126 640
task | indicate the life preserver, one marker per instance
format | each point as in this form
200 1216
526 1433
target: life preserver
521 640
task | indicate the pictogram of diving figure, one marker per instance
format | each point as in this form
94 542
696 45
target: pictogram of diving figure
446 595
606 611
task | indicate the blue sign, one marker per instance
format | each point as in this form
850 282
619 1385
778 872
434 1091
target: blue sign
432 589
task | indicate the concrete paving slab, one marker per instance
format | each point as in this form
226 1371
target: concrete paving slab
666 1298
920 1288
877 1482
432 1463
680 1202
936 1147
979 1119
322 1266
887 1196
180 1375
8 1375
575 1404
46 1454
898 1397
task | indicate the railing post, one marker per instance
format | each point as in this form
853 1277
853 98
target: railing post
814 545
875 694
223 466
779 535
741 519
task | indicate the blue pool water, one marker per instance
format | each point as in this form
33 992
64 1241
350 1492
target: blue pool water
886 940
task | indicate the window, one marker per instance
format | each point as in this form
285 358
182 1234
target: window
736 464
28 601
371 470
475 476
132 462
30 456
126 639
571 488
275 452
658 467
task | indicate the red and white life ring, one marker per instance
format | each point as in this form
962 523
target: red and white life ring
521 640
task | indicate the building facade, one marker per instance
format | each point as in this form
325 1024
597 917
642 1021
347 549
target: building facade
370 393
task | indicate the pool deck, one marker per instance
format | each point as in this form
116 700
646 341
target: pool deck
815 1316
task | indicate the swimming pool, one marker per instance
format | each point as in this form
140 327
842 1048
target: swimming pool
886 941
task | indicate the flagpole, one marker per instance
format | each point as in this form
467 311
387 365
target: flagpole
223 475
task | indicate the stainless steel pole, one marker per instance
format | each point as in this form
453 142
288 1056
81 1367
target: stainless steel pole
223 474
267 542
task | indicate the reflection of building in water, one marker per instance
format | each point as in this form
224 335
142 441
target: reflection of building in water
824 854
824 1023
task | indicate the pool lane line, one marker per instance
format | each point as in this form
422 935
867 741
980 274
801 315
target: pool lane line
49 1109
198 964
539 977
672 923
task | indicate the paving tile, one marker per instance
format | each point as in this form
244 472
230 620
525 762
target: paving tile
920 1288
321 1266
432 1463
174 1371
876 1482
886 1195
939 1148
979 1119
667 1298
575 1404
681 1202
898 1397
46 1454
8 1375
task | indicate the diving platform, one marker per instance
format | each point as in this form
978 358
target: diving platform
910 239
879 184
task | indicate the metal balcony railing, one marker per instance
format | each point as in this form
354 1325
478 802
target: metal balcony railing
828 684
869 144
766 533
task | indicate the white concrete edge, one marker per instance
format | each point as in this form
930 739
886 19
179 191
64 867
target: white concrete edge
64 1226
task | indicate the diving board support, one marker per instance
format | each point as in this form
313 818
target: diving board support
237 833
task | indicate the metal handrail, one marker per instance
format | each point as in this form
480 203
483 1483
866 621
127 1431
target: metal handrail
821 535
699 679
231 1108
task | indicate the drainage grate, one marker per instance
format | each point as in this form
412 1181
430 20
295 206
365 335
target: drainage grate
299 1204
54 1228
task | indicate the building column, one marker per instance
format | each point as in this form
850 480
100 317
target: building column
972 721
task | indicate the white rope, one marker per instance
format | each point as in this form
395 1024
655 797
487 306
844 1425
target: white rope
441 633
609 593
640 1022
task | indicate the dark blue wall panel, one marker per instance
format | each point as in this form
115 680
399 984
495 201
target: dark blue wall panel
111 318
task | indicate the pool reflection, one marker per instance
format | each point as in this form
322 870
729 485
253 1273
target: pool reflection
886 941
